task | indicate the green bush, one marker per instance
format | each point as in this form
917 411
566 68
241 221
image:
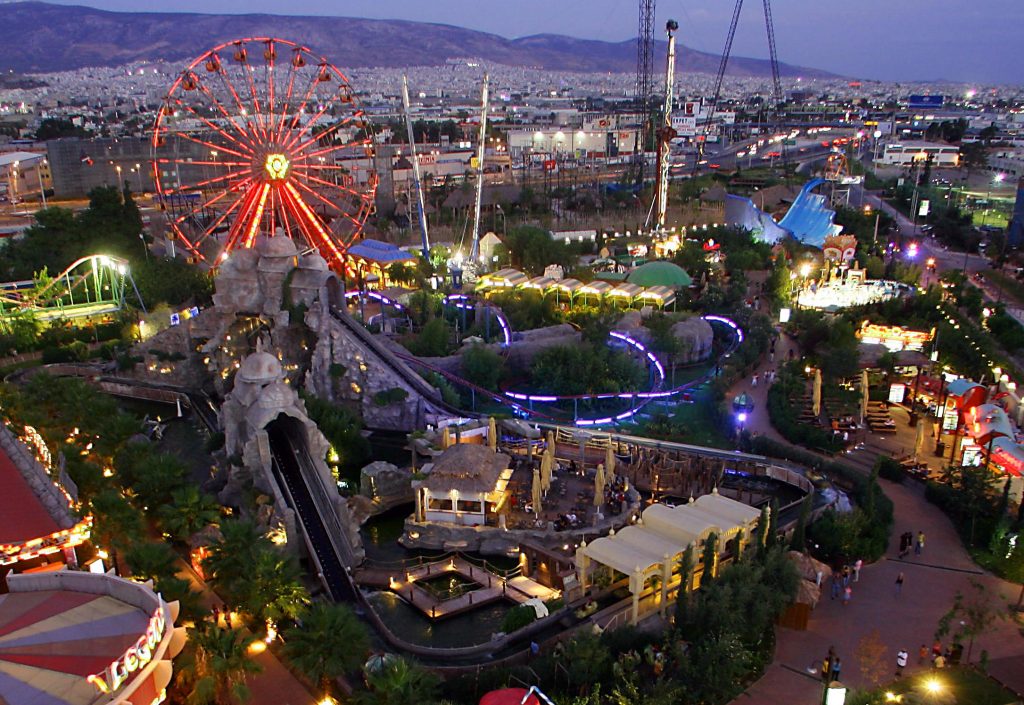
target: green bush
387 397
890 469
517 618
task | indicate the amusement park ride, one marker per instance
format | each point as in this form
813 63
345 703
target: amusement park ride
249 142
92 286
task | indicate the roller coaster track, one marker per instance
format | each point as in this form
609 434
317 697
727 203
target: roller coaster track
522 404
92 285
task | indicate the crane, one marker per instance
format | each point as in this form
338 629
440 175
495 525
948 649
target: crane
777 96
421 210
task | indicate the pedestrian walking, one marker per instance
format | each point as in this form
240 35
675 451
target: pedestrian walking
836 587
754 381
216 616
922 654
846 575
534 649
837 666
857 565
826 668
847 594
936 648
901 662
899 584
919 547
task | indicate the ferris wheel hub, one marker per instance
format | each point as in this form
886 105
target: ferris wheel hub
277 166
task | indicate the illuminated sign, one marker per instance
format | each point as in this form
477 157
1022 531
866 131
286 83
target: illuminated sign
136 657
896 393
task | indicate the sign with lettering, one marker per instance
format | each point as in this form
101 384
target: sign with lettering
137 656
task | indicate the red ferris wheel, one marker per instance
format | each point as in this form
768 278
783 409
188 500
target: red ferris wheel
262 137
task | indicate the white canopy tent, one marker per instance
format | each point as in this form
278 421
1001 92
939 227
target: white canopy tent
655 545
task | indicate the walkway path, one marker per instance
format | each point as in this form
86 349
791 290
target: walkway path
906 621
931 581
275 685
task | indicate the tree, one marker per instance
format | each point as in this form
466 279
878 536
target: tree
586 660
215 665
971 614
151 561
871 657
709 560
685 584
398 681
231 558
482 366
973 157
328 642
188 512
799 542
274 589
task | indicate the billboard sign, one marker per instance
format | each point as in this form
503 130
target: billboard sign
684 125
926 101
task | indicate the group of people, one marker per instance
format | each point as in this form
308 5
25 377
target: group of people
841 579
907 541
831 666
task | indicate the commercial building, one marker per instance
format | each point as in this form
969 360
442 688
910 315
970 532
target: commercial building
24 176
75 638
80 165
38 531
911 153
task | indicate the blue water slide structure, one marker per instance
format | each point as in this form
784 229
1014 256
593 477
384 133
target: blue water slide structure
809 219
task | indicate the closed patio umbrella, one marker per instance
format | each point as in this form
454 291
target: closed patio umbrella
609 461
547 462
537 491
816 398
865 393
599 486
492 433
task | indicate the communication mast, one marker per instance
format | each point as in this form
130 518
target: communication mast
421 211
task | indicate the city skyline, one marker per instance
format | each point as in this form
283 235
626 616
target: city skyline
867 41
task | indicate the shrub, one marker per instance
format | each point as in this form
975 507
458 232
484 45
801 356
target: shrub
387 397
890 469
517 618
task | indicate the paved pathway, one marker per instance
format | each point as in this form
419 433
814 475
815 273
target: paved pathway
906 621
931 581
275 685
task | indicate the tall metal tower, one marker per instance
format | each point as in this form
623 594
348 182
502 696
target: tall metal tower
645 55
644 78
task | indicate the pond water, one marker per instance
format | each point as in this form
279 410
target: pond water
448 587
466 629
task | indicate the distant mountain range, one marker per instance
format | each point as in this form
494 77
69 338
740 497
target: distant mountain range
40 37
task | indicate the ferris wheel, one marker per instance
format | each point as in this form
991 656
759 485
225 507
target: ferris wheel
257 137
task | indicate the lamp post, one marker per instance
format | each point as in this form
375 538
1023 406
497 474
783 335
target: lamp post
504 223
876 134
138 173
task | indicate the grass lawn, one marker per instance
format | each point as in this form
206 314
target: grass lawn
1010 286
991 216
953 686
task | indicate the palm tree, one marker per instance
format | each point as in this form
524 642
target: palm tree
117 523
399 682
231 558
151 561
330 642
189 512
275 591
215 666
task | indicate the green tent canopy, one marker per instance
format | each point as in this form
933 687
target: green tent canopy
660 274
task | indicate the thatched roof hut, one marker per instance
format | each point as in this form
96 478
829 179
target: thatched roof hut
468 468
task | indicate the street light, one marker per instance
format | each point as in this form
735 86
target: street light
996 180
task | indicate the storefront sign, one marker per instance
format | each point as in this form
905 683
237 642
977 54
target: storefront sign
136 657
949 420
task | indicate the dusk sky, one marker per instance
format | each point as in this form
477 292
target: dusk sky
976 41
